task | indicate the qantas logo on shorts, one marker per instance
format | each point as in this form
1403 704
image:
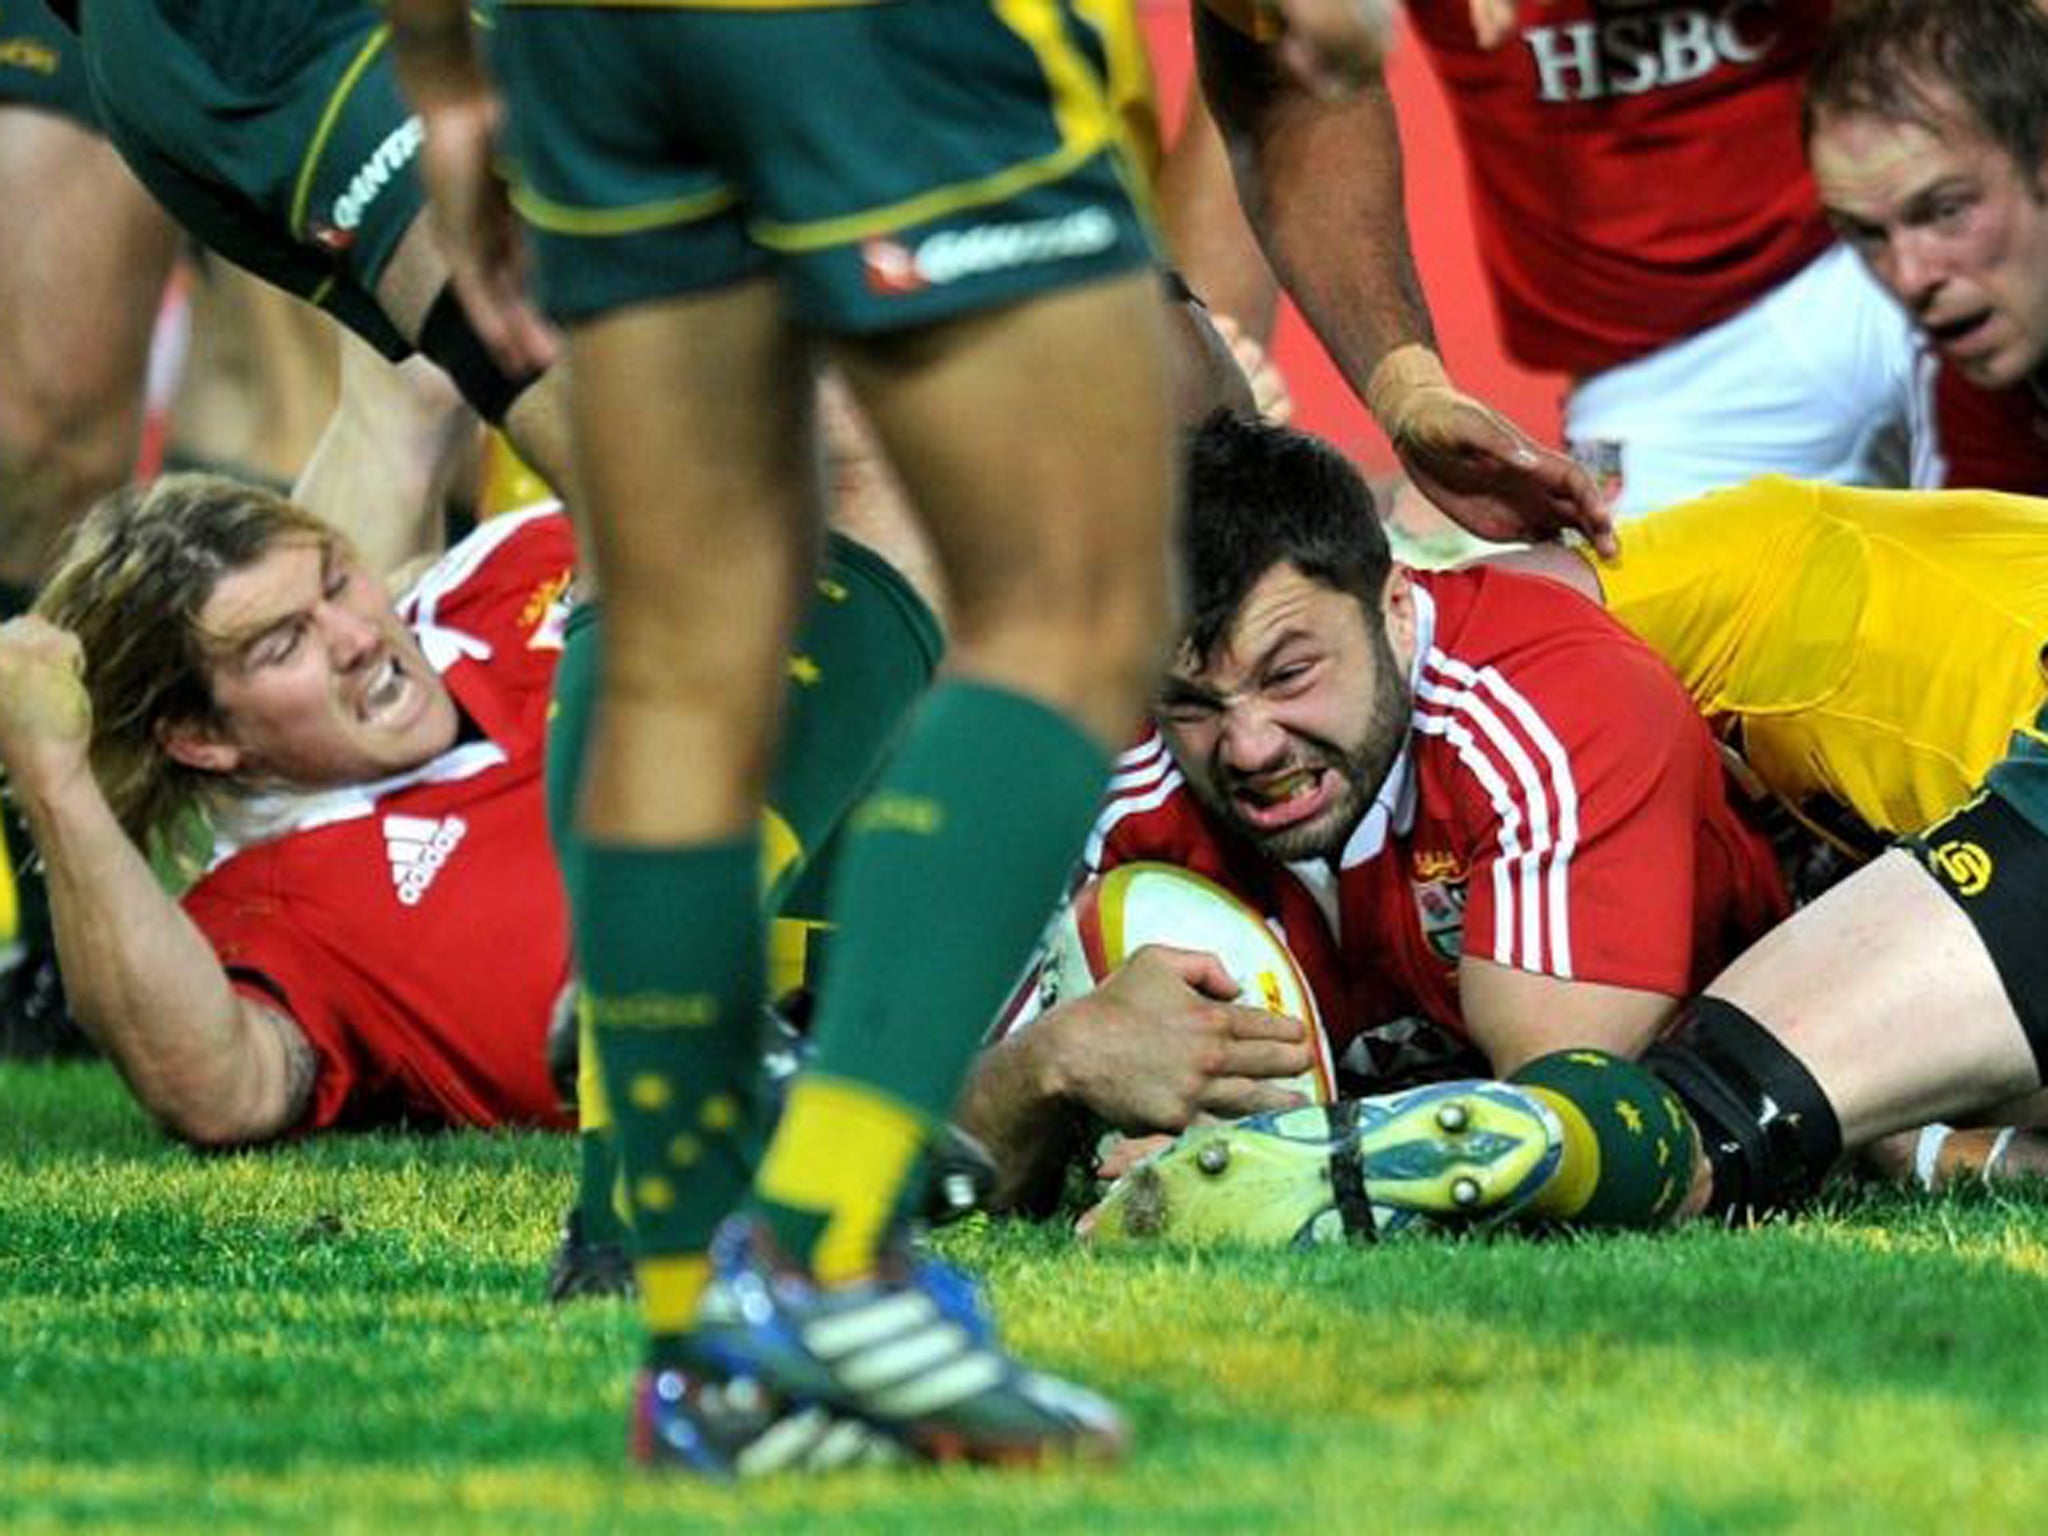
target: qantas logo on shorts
391 157
418 847
895 268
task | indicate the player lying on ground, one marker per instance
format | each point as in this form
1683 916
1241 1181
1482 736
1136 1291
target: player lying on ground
379 935
1876 722
1909 994
1871 722
1867 655
80 284
1486 819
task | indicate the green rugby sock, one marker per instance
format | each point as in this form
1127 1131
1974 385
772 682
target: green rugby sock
949 871
1630 1148
863 657
597 1183
670 946
570 712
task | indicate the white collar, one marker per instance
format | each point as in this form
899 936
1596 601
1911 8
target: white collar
261 818
266 817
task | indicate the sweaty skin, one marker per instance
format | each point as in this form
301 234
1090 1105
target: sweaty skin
1952 226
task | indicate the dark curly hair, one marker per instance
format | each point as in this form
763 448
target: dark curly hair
1259 494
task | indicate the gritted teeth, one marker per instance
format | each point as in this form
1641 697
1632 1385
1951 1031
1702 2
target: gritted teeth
384 686
1284 787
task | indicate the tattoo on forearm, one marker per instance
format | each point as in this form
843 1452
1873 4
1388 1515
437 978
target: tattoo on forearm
301 1066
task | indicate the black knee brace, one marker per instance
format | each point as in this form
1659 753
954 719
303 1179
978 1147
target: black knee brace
1993 863
1765 1126
447 337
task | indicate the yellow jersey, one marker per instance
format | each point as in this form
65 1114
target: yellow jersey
1868 652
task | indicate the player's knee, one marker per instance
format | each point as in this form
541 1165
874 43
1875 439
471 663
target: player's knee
56 459
1765 1124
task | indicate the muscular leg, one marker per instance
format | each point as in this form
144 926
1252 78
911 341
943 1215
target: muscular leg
1045 500
1047 510
1885 993
691 419
83 258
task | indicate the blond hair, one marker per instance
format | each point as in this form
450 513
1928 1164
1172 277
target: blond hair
130 582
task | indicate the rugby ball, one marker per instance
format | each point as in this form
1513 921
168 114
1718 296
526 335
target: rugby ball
1117 914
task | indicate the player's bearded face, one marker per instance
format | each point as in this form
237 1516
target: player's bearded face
1291 727
316 680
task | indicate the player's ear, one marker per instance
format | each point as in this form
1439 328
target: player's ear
1397 613
198 744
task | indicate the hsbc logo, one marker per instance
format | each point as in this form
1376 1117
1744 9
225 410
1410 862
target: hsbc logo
894 268
1627 55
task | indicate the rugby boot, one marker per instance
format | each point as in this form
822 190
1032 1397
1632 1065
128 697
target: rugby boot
910 1351
1448 1155
723 1425
584 1267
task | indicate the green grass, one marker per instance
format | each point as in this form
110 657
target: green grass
348 1336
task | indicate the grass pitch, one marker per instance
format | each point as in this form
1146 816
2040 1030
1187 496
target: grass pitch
348 1336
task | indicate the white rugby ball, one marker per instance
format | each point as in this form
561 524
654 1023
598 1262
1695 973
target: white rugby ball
1115 915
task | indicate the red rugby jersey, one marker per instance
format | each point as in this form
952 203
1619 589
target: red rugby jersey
1636 167
1559 807
1991 439
416 928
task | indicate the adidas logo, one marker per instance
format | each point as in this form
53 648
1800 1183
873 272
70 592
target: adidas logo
419 846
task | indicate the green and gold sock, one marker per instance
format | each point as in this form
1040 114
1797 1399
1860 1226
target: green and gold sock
1629 1150
948 873
866 652
675 1009
599 1200
570 712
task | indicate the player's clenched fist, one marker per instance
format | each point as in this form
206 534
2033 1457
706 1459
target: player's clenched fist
45 713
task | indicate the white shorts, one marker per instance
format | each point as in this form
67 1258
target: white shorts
1813 380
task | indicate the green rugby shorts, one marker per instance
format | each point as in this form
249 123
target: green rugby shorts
889 163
